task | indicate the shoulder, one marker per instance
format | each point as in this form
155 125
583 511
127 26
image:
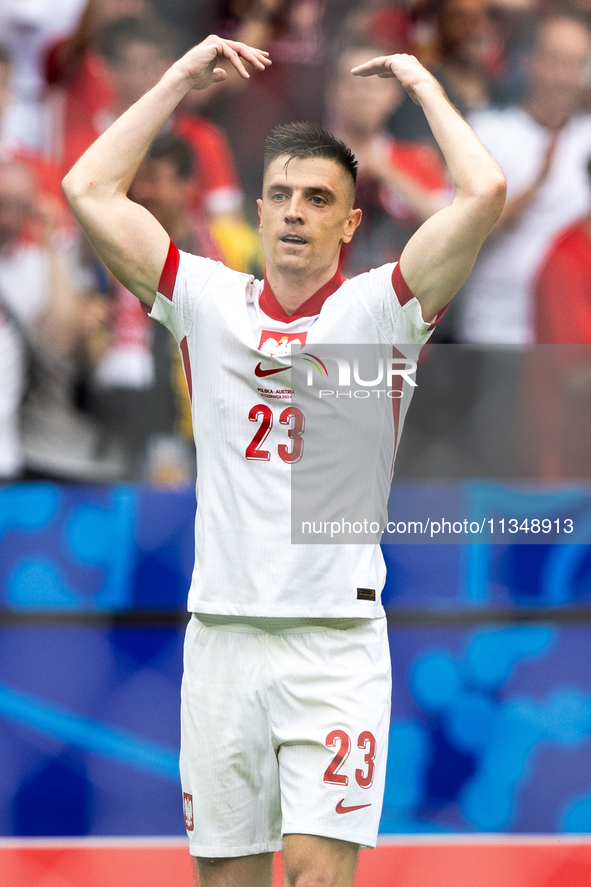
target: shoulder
392 304
185 272
384 278
199 266
193 285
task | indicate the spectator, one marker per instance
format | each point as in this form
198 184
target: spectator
137 392
78 81
542 147
27 27
47 174
555 414
136 54
164 184
389 26
400 184
562 305
469 54
42 309
557 394
298 35
409 28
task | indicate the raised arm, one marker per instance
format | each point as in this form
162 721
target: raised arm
439 256
129 240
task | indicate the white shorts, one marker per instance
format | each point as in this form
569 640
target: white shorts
283 734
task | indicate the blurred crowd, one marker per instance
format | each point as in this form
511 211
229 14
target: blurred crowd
92 390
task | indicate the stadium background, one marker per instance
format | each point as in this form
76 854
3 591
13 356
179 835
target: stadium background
489 777
491 714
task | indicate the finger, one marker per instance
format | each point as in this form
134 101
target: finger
235 44
379 72
226 51
254 57
259 58
374 66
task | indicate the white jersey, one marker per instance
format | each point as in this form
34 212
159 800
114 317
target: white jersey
496 302
227 324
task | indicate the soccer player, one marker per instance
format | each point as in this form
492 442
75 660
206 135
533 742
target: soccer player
285 698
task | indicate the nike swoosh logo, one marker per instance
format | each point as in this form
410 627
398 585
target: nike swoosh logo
261 373
341 809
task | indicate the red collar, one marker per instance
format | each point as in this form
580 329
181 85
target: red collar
271 307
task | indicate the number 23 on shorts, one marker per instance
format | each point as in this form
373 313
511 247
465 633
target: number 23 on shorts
363 775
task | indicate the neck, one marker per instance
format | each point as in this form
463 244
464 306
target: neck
552 117
292 290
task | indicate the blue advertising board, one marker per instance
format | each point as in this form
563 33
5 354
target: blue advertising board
491 706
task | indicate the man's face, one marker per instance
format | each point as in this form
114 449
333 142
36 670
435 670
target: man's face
361 105
305 214
137 69
159 188
464 29
17 197
557 64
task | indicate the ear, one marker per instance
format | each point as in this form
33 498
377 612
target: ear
351 225
259 210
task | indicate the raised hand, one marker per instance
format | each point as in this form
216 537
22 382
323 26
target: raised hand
406 68
201 64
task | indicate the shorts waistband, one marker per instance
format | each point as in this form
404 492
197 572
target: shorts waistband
276 625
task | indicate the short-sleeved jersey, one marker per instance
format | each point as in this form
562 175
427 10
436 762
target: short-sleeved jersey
227 324
496 303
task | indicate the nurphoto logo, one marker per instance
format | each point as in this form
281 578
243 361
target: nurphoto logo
400 368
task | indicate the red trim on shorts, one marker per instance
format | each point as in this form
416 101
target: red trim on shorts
270 306
169 272
186 365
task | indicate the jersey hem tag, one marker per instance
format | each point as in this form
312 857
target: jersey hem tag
366 594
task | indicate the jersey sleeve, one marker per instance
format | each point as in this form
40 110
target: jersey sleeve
183 282
395 309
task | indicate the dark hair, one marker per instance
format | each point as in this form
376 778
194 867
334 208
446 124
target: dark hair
534 33
303 140
118 34
170 147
